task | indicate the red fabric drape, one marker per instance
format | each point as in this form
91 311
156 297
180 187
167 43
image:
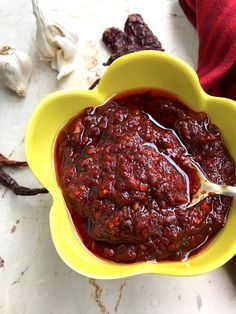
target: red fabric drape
215 22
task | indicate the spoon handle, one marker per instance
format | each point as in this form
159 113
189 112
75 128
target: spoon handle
229 190
222 189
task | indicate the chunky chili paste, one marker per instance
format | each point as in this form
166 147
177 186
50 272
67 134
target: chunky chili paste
126 175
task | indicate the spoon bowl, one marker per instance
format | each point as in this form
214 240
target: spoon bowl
208 188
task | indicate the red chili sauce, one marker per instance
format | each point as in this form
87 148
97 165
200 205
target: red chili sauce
125 173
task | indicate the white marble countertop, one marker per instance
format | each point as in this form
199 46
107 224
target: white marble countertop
33 279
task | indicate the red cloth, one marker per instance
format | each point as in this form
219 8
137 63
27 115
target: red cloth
215 21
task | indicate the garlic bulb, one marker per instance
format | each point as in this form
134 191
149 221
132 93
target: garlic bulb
15 69
56 41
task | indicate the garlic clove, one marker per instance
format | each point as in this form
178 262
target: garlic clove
26 64
64 66
65 27
54 64
44 39
67 47
56 40
46 51
15 69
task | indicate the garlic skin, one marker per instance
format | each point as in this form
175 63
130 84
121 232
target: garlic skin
15 69
56 41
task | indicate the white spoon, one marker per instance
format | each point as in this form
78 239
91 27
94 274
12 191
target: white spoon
208 188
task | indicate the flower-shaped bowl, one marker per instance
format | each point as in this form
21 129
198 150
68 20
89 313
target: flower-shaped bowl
145 69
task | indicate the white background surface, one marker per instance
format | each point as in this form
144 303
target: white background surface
34 280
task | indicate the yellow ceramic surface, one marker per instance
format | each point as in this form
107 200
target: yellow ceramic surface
137 70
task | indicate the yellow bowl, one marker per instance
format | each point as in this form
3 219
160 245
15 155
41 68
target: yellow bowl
137 70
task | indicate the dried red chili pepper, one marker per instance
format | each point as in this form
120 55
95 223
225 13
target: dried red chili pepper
114 39
94 84
10 183
136 36
4 161
138 33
